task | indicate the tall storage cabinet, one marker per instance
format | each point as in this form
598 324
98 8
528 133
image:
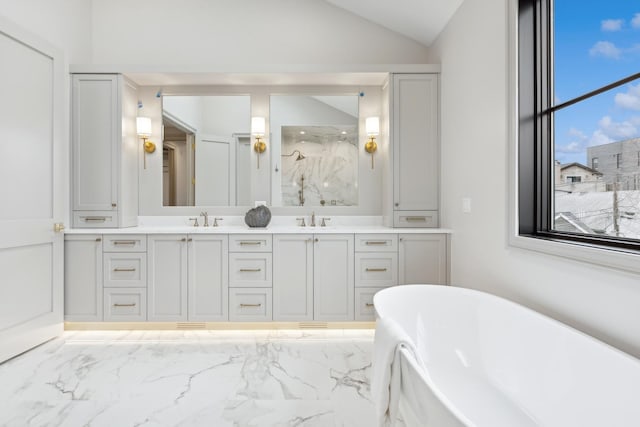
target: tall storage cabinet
105 151
415 140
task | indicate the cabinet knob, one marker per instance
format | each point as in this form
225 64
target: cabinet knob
189 239
316 239
397 204
184 239
98 239
113 205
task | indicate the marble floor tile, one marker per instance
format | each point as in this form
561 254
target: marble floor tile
192 378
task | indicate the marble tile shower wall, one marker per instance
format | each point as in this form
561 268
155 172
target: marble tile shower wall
192 378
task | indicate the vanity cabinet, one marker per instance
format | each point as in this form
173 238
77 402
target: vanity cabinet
250 278
167 273
333 279
414 132
293 277
83 278
423 259
188 277
104 151
313 277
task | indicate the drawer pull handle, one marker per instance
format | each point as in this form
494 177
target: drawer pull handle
243 243
189 239
369 304
250 305
184 239
124 242
95 218
250 270
120 270
98 239
373 243
416 218
376 270
133 304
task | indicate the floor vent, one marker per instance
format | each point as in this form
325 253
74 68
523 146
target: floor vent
190 325
312 325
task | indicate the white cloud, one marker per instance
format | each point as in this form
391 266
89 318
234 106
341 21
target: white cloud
611 25
572 147
635 21
629 100
606 49
617 130
599 138
576 133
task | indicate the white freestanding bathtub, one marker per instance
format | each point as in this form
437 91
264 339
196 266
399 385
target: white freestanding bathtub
489 362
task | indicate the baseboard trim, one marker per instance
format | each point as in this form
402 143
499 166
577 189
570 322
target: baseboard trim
199 326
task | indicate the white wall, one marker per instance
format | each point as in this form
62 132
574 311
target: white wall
66 24
196 32
600 301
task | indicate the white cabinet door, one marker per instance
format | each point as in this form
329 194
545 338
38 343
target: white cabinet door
293 277
333 277
416 153
167 277
422 259
32 187
208 278
105 150
95 130
83 278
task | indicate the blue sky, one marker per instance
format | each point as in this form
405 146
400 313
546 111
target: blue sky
596 43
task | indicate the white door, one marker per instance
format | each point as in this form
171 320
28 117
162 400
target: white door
167 277
208 278
333 278
293 277
215 180
32 161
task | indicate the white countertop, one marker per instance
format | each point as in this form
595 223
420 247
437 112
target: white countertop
275 229
278 225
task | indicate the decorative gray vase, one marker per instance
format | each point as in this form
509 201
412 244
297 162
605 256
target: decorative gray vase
258 217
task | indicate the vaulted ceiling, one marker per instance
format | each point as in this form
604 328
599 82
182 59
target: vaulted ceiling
420 20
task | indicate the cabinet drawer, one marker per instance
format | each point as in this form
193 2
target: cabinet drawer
376 243
419 219
125 305
125 270
250 243
364 303
376 269
95 219
249 304
124 243
250 270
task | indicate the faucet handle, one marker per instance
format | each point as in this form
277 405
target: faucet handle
301 224
195 221
323 223
215 221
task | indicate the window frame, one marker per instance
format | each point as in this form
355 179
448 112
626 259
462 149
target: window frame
535 160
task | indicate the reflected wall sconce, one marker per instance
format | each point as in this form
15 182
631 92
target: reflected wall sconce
372 127
258 128
143 125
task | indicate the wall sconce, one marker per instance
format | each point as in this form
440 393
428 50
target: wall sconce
143 125
372 127
258 128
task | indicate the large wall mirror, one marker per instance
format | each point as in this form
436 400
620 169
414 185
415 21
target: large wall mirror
206 150
314 143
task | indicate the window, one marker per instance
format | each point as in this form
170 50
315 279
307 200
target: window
579 105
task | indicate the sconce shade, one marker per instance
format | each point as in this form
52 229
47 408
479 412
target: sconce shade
258 126
372 126
143 125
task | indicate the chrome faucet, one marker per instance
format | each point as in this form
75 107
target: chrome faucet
323 223
195 221
313 219
215 221
206 218
301 223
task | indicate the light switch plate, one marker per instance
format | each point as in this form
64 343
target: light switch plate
466 204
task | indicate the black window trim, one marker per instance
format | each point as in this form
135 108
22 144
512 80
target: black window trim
535 110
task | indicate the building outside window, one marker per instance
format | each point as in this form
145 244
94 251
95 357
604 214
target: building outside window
579 105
